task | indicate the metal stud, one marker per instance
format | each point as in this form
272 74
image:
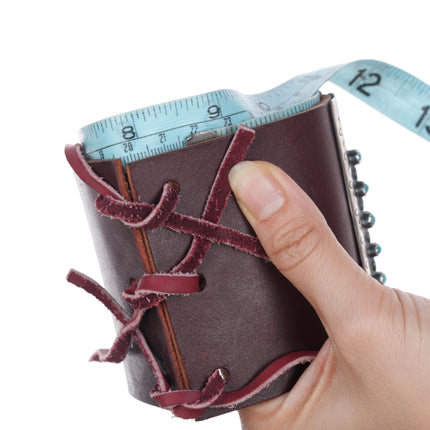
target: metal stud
354 157
361 188
367 220
373 250
380 277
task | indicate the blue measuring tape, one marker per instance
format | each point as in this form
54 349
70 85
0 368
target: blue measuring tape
168 126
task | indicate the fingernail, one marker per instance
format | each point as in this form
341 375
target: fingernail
256 189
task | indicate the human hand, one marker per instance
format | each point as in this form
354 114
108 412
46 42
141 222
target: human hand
374 370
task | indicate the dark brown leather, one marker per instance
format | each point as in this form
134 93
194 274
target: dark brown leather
247 315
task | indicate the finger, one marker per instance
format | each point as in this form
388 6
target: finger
300 244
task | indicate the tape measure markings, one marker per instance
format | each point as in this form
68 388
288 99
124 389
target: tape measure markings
88 153
166 126
401 96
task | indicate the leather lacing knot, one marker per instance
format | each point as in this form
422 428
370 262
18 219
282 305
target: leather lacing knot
191 403
141 215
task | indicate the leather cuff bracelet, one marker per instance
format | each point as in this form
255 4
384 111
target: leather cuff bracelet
205 322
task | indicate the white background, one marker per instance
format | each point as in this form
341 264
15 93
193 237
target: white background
66 64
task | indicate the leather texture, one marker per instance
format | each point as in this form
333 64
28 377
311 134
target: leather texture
247 315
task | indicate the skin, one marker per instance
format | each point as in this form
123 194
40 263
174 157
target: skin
374 370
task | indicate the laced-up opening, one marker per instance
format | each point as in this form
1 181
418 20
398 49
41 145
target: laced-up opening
152 289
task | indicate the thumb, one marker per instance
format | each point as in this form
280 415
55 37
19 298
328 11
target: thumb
301 245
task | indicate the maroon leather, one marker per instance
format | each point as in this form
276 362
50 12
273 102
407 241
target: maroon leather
247 315
184 403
